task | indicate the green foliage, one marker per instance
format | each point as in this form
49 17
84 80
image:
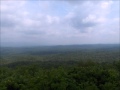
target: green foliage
82 76
80 67
70 54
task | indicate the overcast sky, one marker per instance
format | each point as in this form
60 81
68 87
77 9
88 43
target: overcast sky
59 22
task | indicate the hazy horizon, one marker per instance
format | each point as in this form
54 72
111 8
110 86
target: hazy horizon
66 22
12 46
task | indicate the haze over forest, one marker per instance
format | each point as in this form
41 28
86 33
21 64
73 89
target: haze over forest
59 45
66 22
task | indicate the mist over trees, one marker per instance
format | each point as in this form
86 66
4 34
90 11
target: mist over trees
72 67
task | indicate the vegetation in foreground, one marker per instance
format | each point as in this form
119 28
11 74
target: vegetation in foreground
82 76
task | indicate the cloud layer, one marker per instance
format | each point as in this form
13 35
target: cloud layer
59 22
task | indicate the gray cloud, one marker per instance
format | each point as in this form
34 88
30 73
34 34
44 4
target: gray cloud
73 2
82 1
26 26
7 22
82 26
33 32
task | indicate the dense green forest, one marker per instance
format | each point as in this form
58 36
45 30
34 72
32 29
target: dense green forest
70 67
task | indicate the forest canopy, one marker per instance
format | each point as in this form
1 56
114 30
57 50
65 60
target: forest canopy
74 67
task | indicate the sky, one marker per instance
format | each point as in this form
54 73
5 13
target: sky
59 22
